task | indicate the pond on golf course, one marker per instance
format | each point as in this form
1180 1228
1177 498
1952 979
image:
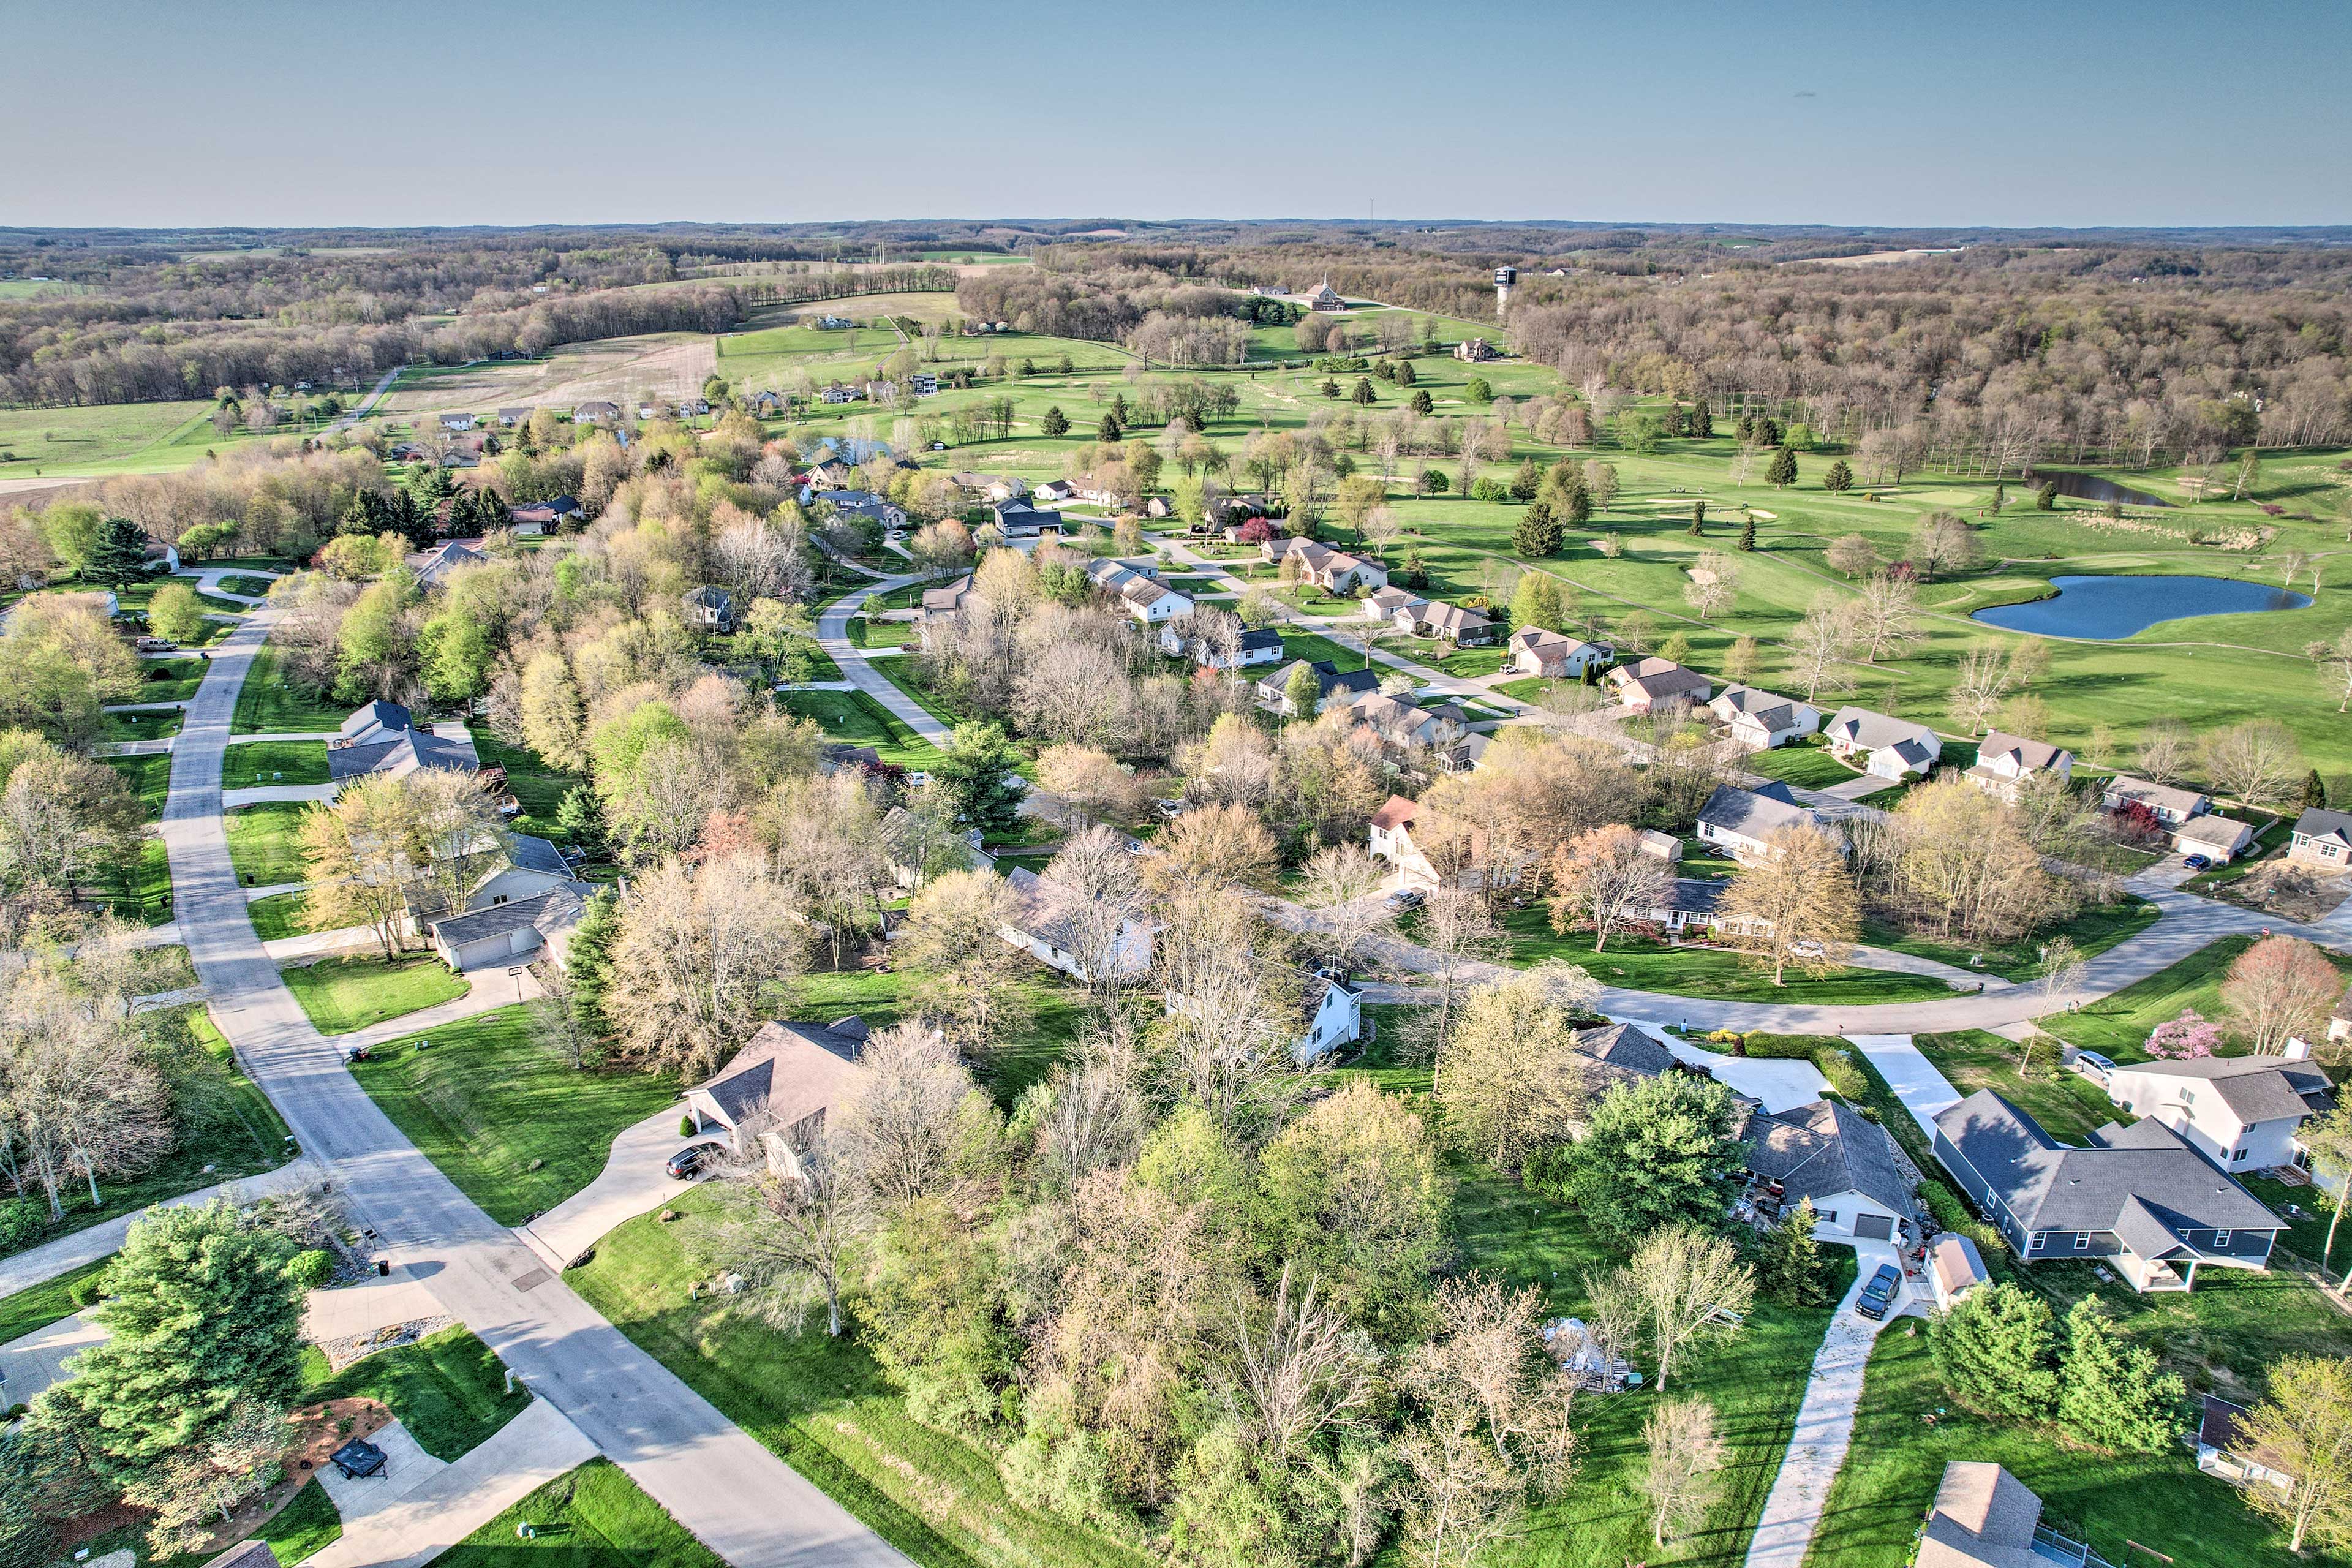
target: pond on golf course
2107 608
2091 487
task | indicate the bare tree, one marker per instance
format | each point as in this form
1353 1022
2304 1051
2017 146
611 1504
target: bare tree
1607 879
1684 1478
1342 883
1296 1370
2166 750
1817 648
2302 1430
1942 542
2281 989
787 1223
2258 760
970 976
1977 690
705 955
1461 936
1225 1043
1795 904
1688 1284
1885 615
895 1132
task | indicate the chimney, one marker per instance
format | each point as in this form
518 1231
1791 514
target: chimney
2296 1050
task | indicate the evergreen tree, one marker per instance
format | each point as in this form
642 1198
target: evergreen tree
1746 429
1028 368
1656 1151
1789 1260
580 817
414 522
1329 388
1303 691
1524 480
1767 432
1416 575
2000 498
978 778
1994 1350
2112 1394
1056 422
1420 403
1363 392
1478 391
1748 534
1700 423
435 485
1670 420
1066 367
1840 478
363 515
1106 430
2314 791
1783 470
1406 377
2046 497
588 962
1538 532
1576 506
1697 528
1120 411
121 558
201 1321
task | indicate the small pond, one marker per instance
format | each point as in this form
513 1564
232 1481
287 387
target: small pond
2104 609
2091 487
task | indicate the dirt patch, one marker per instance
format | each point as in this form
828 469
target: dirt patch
2290 891
341 1353
660 365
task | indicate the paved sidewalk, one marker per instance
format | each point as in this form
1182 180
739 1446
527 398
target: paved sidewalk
364 1308
633 1183
1923 1090
261 795
27 1268
32 1362
410 1527
1824 1426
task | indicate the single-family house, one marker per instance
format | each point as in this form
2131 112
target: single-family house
1262 645
1881 745
2322 839
774 1092
511 418
1986 1518
502 935
399 753
1954 1267
923 384
1320 567
767 405
2004 762
1742 821
433 568
1648 683
1054 925
596 411
1333 688
2241 1113
534 520
1617 1054
711 609
1689 903
372 723
161 556
864 504
1475 350
1330 1013
991 486
1451 623
1019 519
911 853
1152 603
457 422
1534 651
1760 721
1383 603
827 474
1424 847
1057 490
1402 726
947 597
1859 1182
2170 805
2142 1199
2219 838
2223 1448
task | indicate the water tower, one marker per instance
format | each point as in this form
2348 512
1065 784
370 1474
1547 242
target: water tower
1504 277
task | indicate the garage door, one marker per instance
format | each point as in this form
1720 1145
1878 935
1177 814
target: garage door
1874 1226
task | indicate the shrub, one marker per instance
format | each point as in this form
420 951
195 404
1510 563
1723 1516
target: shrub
22 1223
312 1269
686 1125
1787 1047
1845 1079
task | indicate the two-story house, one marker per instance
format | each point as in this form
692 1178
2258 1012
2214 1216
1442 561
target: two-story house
1328 1014
2141 1199
2244 1113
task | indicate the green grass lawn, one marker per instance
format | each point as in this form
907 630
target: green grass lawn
169 679
39 1306
514 1126
251 587
277 917
1636 966
151 726
2068 1106
1808 767
2161 1501
139 891
447 1389
858 720
539 788
2119 1026
820 1406
867 632
150 778
1057 1011
2093 929
341 995
594 1517
262 842
1463 663
1317 649
304 1525
266 705
906 675
249 764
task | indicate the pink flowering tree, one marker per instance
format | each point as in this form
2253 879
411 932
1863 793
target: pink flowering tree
2189 1035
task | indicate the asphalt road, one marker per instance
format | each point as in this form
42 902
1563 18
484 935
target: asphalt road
740 1499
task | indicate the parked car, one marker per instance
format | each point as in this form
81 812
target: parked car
688 1162
1406 900
2195 862
1879 1294
2093 1066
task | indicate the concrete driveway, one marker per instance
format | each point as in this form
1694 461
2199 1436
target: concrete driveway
1779 1084
1923 1090
633 1183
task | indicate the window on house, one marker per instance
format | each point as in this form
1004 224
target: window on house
2082 1241
2037 1241
2220 1238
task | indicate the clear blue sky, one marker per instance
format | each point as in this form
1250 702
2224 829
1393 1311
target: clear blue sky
255 112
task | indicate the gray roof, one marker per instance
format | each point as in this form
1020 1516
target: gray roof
2318 823
792 1071
948 595
1658 677
552 908
531 854
709 597
1696 895
1880 732
2156 796
406 753
1821 1150
1983 1518
1263 637
1621 1052
2134 1181
1774 712
2255 1089
254 1553
1755 814
2029 753
375 716
446 559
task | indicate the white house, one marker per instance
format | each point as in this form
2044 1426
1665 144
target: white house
1760 720
1391 838
1742 821
1647 683
1330 1013
2241 1113
1261 646
2004 762
1049 924
374 723
1383 603
1153 604
1534 651
1881 745
711 609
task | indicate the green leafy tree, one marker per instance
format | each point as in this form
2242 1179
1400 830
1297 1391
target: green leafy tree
1840 478
1434 481
1303 691
120 557
1478 391
1789 1260
1056 422
2046 497
977 772
1537 601
1994 1351
1782 472
1537 531
176 612
588 962
2112 1394
1662 1151
1328 387
202 1321
933 1317
72 530
1352 1194
1576 505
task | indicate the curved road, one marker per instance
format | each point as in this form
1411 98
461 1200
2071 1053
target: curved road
740 1499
